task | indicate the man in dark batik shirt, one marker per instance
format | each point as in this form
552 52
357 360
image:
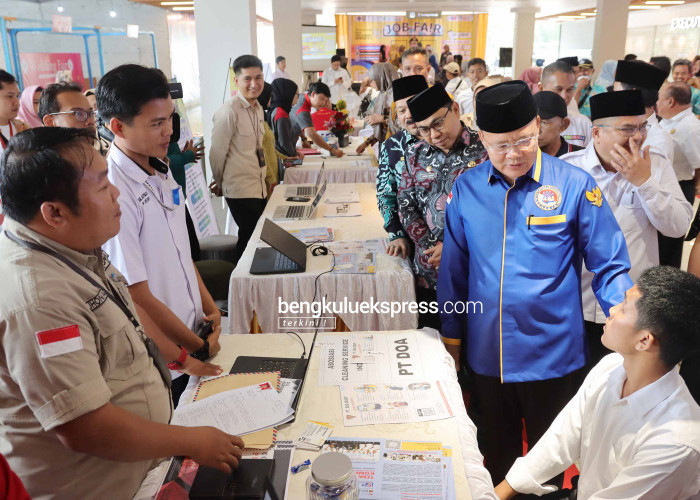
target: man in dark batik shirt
432 166
392 160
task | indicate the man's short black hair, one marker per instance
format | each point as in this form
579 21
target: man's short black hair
680 91
649 96
48 103
320 88
6 77
683 62
412 51
279 59
669 308
335 58
34 170
123 91
474 61
557 67
630 57
662 62
246 61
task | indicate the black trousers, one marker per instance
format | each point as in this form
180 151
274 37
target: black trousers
431 320
596 349
671 249
245 212
498 410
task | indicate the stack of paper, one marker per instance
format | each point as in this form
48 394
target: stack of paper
343 210
314 435
342 193
239 411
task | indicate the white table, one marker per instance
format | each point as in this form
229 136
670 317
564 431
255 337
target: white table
346 170
323 404
393 280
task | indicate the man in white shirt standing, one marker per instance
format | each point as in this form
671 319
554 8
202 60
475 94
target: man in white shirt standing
674 106
236 155
633 428
649 79
456 84
560 78
638 184
337 79
281 63
152 248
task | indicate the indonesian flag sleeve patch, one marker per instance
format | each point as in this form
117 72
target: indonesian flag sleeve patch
59 341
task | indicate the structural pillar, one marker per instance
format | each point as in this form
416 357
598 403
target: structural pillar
286 18
523 38
610 35
225 29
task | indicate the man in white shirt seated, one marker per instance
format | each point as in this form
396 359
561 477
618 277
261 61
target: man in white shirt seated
560 77
281 63
633 428
337 79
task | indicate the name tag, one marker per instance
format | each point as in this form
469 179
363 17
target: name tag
176 196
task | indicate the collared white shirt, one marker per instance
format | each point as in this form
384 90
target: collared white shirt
684 129
338 90
657 205
466 102
280 74
579 131
646 445
659 140
237 132
152 244
457 86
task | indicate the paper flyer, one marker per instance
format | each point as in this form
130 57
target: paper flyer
355 263
395 469
367 404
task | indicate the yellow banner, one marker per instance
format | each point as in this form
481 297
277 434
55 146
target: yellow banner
464 33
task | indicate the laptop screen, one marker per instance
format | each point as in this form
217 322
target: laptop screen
320 174
319 195
283 242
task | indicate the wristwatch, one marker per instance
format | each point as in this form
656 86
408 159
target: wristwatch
203 353
180 361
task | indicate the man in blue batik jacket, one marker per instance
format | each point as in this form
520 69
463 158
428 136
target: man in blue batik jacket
517 229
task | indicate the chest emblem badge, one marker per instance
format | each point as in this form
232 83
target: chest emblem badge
547 197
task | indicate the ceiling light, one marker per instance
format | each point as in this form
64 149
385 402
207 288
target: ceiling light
178 3
59 8
402 14
644 7
588 14
457 12
572 17
665 2
191 7
112 13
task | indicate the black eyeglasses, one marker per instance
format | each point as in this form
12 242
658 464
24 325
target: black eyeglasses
80 115
437 125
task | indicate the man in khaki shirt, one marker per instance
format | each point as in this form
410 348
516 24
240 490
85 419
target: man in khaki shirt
84 406
236 154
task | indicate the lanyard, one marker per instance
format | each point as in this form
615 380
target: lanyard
3 139
151 347
254 124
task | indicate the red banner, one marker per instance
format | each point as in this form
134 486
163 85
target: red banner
42 68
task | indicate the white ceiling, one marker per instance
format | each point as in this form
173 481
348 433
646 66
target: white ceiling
547 7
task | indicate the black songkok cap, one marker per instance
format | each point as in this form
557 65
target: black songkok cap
571 61
426 103
621 103
550 104
408 86
505 107
640 74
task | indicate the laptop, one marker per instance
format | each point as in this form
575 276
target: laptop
299 212
286 254
306 190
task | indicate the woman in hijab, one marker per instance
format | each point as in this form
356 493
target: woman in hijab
284 95
29 105
606 77
531 76
268 142
378 113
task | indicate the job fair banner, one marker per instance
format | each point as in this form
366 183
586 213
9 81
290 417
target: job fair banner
43 68
464 33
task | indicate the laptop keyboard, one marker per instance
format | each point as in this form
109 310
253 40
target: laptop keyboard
306 191
283 263
295 211
285 367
